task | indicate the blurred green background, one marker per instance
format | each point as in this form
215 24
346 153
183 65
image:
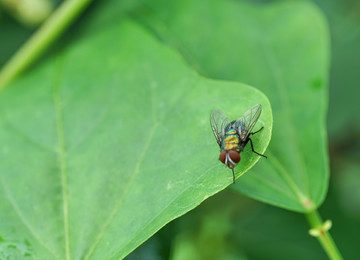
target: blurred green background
230 226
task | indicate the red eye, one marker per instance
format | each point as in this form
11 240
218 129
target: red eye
234 156
222 156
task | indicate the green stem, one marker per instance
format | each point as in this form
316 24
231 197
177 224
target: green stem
44 36
320 230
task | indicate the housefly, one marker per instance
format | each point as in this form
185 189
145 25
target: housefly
232 136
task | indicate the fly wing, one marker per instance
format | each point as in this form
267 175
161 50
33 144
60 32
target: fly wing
218 122
247 121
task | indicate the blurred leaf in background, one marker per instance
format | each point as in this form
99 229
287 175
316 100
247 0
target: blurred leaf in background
344 20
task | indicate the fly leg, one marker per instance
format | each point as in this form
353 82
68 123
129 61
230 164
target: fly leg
233 175
252 147
257 131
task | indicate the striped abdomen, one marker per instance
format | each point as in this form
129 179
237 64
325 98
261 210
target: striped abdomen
230 141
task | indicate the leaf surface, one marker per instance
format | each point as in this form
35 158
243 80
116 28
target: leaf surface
109 140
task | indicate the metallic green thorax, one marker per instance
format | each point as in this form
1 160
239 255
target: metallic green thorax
230 141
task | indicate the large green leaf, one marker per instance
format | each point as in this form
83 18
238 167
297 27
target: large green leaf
106 142
282 49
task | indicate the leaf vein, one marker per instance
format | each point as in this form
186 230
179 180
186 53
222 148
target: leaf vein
63 166
24 136
23 219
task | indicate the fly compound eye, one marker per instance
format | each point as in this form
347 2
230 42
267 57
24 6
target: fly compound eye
222 156
234 156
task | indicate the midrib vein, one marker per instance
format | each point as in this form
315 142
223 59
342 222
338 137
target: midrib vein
290 182
63 166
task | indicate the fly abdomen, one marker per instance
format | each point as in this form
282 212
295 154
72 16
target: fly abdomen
231 141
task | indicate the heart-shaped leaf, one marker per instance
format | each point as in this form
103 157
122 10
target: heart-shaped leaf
108 141
282 49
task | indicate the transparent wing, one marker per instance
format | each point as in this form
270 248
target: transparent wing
218 122
247 121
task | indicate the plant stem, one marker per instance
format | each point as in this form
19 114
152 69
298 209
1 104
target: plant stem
42 38
320 230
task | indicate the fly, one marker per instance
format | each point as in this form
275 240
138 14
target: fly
232 136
